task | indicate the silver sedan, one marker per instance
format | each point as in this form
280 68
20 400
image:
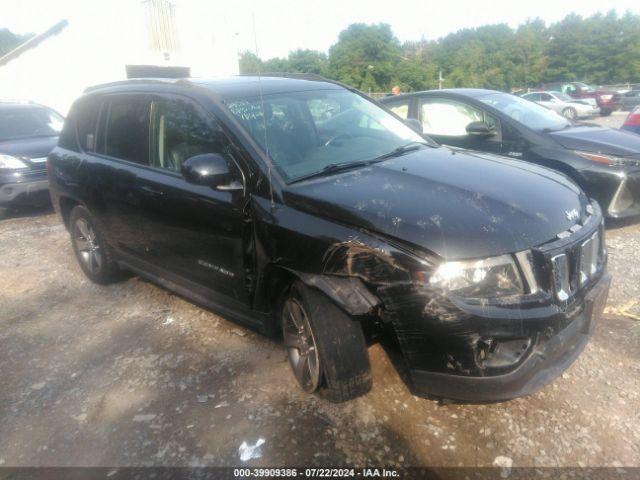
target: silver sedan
563 104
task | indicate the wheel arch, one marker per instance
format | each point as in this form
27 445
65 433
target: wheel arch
348 293
66 205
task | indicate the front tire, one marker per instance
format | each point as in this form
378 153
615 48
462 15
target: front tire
92 251
4 211
605 112
326 348
570 113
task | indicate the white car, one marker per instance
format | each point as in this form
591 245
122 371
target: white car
563 104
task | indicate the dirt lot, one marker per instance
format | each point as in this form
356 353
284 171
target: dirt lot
130 374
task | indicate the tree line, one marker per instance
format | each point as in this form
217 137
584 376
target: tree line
601 49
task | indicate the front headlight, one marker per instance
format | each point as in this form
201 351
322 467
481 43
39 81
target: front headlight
7 161
487 278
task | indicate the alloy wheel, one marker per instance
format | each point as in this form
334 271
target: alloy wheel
87 245
301 345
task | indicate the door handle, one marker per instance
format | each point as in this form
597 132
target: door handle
152 192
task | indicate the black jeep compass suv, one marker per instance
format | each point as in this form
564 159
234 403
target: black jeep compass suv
299 206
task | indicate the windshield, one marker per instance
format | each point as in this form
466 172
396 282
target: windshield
26 122
531 114
306 132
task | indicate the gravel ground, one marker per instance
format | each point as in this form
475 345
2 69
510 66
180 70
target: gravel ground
131 374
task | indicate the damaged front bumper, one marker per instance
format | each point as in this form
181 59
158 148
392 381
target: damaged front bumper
496 349
543 358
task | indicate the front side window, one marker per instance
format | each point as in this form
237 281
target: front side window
530 114
29 122
127 129
450 118
180 131
305 132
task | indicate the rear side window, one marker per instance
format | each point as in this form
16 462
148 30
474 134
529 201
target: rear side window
67 138
86 118
127 129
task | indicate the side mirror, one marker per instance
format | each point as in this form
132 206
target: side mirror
480 129
414 124
210 169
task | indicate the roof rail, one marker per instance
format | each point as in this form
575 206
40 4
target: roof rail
292 75
131 81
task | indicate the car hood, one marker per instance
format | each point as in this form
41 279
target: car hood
457 204
36 147
599 140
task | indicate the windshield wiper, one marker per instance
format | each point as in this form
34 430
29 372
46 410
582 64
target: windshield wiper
335 167
402 149
338 167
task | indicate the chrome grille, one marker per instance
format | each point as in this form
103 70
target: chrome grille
576 265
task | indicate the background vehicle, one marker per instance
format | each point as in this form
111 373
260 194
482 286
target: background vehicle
632 122
630 100
603 161
290 205
563 104
607 100
28 132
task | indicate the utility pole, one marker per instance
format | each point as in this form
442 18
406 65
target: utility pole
440 79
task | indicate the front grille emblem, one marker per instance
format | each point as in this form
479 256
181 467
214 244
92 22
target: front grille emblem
572 214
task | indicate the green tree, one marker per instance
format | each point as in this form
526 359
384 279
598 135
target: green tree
308 61
603 48
365 56
249 63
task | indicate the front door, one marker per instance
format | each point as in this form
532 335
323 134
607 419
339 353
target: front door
150 211
194 231
446 120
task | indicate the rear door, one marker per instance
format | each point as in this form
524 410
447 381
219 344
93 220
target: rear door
120 151
445 120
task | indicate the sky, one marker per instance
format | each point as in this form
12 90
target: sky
285 25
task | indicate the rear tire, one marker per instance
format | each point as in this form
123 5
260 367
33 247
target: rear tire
605 113
570 113
330 345
4 211
92 251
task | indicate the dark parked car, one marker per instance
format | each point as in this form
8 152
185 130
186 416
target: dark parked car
300 206
632 122
607 100
630 100
28 133
603 161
